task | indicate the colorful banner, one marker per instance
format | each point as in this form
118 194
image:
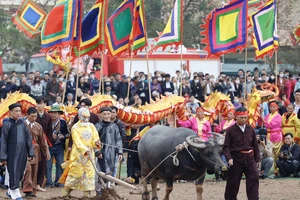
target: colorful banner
92 29
295 35
172 34
59 28
29 18
225 29
138 36
77 29
264 37
119 27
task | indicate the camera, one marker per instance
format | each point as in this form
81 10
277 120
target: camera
286 153
262 138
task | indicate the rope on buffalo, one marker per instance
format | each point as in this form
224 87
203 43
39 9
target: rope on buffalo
109 145
182 146
136 187
179 148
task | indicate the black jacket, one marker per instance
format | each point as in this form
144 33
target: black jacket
143 89
24 89
185 90
121 126
294 152
165 89
71 88
238 89
122 90
196 90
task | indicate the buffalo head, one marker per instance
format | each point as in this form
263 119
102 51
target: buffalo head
208 151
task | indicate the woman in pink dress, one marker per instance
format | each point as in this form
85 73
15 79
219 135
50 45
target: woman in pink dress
273 122
226 123
199 124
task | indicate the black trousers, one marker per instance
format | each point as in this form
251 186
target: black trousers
249 168
287 167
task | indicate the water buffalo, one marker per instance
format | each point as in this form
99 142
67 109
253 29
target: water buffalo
161 141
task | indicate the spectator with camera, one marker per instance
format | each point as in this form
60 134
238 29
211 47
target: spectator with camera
59 134
266 153
289 157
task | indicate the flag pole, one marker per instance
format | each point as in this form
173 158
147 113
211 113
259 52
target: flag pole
130 68
79 39
276 66
276 51
181 35
246 63
100 79
77 75
65 86
148 72
101 82
181 76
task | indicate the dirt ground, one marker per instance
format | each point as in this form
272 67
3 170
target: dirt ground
270 189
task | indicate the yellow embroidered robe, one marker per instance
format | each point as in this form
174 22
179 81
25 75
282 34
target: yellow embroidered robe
81 173
291 125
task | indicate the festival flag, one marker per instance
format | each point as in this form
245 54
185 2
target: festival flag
295 35
92 29
172 34
264 23
29 18
119 27
225 29
138 36
59 28
77 28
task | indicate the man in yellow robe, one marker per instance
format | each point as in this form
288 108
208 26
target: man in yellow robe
81 174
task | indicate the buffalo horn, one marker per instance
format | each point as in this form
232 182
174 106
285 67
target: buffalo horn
198 144
221 138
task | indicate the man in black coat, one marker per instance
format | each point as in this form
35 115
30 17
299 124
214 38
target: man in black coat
143 90
122 88
71 87
16 148
196 89
167 86
24 88
289 157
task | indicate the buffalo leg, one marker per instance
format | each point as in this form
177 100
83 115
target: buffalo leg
154 182
199 188
199 191
144 173
169 188
145 195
